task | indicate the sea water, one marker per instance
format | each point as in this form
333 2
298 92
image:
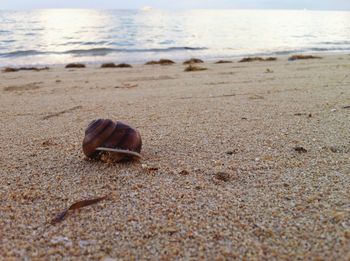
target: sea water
60 36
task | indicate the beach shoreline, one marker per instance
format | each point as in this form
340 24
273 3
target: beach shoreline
233 58
241 160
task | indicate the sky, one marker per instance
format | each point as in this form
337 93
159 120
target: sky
179 4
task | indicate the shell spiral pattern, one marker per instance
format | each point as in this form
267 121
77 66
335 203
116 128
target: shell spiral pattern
107 135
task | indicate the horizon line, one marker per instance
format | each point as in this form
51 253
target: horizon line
172 9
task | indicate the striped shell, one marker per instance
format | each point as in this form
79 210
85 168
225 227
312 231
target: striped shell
114 137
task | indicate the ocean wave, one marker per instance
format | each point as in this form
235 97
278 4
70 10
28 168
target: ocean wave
106 51
291 51
103 51
98 51
336 43
320 49
8 41
90 52
83 43
309 49
20 53
94 43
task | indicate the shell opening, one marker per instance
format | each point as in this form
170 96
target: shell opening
126 152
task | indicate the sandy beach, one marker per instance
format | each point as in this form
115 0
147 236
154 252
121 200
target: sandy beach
246 161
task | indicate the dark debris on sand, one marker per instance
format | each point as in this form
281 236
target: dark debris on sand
77 205
124 65
109 65
257 59
113 65
300 149
223 176
11 69
161 62
193 61
223 61
75 65
192 68
270 59
303 57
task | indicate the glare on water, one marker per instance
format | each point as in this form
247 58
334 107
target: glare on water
55 36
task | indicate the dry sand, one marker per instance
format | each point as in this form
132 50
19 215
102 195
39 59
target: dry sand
242 119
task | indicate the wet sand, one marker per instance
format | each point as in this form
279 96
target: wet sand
221 177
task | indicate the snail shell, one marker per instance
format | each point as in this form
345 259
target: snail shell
114 137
